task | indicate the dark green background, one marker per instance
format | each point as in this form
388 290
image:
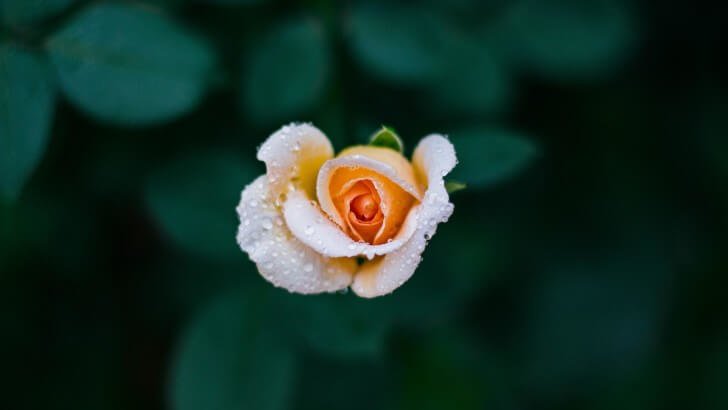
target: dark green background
584 267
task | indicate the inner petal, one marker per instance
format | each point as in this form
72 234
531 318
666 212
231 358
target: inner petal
371 207
358 204
364 207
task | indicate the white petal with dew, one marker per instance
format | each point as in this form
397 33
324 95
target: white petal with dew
315 229
281 258
293 155
433 158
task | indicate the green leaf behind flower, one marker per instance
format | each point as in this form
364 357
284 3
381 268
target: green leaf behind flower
193 197
488 156
287 72
228 358
130 66
26 107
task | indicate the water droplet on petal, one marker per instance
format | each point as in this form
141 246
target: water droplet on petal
308 267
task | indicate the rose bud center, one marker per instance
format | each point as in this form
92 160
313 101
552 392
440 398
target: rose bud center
364 207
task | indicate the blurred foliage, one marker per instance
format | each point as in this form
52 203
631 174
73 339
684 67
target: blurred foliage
128 65
287 72
584 266
26 106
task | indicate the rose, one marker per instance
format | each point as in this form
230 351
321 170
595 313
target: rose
312 218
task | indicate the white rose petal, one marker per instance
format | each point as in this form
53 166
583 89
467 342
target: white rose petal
293 155
281 258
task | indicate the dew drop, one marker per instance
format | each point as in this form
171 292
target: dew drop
307 267
267 224
309 230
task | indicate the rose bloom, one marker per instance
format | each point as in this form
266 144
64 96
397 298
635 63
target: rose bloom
318 223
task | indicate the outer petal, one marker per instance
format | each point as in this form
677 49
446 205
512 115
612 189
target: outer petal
433 158
280 257
316 230
293 155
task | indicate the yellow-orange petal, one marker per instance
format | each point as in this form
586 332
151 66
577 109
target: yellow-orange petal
402 167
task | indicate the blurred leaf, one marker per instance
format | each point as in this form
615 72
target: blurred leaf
193 199
339 325
487 156
179 285
14 12
287 72
130 66
448 370
406 45
368 384
592 321
568 39
228 359
473 82
26 108
387 138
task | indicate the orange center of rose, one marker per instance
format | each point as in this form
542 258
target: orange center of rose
364 207
372 208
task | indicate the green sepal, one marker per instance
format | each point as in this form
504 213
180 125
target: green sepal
386 137
454 186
